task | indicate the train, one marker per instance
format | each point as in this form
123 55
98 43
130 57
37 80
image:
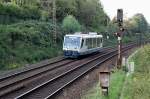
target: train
79 44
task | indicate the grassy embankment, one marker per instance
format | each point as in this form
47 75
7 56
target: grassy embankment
136 86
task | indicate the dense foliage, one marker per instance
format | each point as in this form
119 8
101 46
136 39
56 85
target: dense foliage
10 13
71 25
26 42
89 13
137 24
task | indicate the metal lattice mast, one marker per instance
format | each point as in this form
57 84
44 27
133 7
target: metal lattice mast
54 23
50 6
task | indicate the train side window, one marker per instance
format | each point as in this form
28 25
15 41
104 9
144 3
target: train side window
94 42
91 42
98 42
101 40
88 43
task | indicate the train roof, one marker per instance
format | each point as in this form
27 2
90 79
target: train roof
90 35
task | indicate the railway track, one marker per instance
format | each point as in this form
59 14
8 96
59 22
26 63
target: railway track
32 67
27 77
20 80
52 84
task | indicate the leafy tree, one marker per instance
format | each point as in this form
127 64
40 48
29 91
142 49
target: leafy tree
70 24
90 13
137 24
65 7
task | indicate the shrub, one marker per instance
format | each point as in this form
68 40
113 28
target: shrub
26 42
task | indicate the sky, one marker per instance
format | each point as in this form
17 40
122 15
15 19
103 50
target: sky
130 7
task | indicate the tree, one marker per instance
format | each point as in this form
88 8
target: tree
137 24
91 14
70 24
64 8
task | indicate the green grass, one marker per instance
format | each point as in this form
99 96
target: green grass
116 83
138 84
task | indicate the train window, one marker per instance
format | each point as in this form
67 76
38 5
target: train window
72 42
94 42
101 40
91 42
87 43
98 42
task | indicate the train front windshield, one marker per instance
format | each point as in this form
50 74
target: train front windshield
71 42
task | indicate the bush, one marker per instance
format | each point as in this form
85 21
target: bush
26 42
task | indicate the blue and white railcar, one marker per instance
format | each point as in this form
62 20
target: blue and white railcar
81 44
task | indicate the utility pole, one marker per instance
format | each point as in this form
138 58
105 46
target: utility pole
50 6
119 35
54 23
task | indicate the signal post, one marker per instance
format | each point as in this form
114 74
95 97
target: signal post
119 35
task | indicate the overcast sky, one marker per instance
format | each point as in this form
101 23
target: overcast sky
130 7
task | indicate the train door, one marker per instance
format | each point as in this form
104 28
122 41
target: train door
83 46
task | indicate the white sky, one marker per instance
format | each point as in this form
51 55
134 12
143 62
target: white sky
130 7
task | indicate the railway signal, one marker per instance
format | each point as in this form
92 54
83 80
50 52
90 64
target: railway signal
120 17
119 35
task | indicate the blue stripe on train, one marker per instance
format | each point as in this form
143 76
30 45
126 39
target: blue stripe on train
75 54
71 53
90 51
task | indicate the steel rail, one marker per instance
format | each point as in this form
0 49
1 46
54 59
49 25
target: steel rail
115 54
61 75
38 67
30 69
19 84
22 95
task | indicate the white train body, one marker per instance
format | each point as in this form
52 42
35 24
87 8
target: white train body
81 44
